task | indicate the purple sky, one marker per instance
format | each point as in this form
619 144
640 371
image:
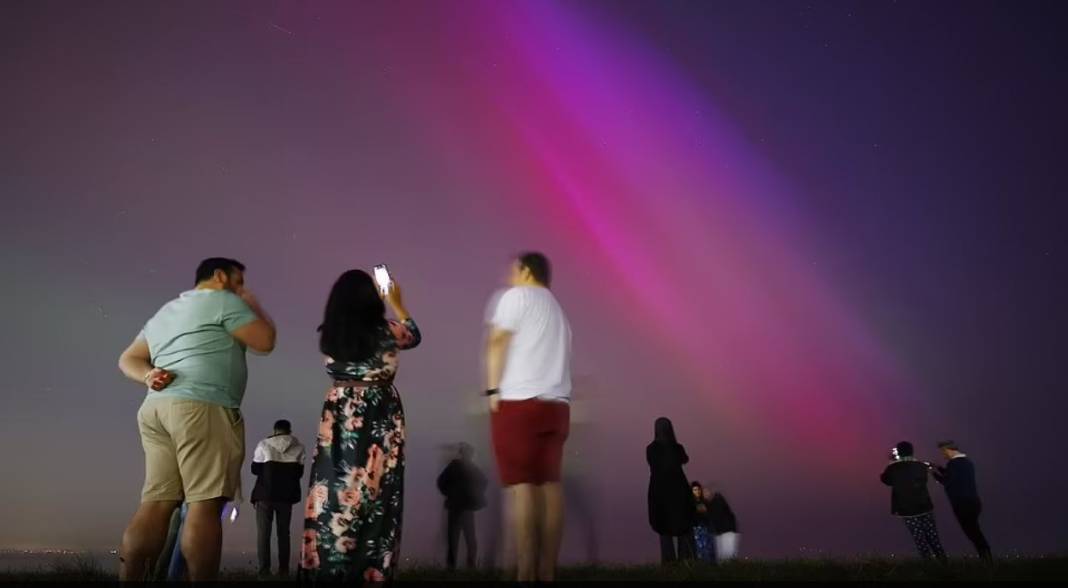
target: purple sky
802 230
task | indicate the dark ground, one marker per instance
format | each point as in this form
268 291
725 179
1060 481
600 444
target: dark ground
1051 568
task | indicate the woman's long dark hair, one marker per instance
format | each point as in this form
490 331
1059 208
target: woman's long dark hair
355 319
664 432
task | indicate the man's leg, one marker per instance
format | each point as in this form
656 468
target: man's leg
284 518
144 538
452 537
968 517
210 442
551 529
202 539
524 526
264 517
469 538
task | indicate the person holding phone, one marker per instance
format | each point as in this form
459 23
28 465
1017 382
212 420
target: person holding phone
352 519
911 502
191 357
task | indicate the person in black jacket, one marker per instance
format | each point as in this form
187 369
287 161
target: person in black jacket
278 464
724 524
958 478
464 488
671 504
910 500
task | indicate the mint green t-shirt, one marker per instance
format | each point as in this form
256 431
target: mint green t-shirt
191 336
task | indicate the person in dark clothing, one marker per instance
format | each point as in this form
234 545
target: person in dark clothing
278 464
671 504
910 500
723 523
464 488
958 478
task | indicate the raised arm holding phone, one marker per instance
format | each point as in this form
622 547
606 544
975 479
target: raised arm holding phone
359 464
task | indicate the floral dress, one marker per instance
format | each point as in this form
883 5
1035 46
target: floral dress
352 518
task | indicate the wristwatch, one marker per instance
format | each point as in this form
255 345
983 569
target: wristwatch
492 391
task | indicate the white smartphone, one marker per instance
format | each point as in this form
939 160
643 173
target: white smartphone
382 278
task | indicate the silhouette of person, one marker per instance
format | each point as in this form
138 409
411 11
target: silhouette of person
671 505
464 486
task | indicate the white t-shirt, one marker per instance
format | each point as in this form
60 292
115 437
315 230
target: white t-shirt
538 364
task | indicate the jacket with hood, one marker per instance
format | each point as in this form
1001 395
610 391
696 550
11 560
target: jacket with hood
278 464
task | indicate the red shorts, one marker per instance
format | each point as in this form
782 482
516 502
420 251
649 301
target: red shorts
528 439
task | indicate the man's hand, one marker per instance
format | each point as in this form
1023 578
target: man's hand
258 335
494 402
158 378
249 298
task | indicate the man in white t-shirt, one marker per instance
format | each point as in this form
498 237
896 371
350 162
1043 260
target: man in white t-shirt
528 381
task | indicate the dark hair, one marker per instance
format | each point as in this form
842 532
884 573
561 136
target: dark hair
283 425
355 319
696 484
663 431
538 265
209 266
948 445
904 449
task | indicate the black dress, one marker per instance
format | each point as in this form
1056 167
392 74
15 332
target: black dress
671 505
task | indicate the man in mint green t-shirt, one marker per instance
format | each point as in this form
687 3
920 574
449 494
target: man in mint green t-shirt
191 356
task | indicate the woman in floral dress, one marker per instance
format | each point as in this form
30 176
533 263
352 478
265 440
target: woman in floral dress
352 523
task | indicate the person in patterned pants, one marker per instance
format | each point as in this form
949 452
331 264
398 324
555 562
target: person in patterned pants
925 534
910 500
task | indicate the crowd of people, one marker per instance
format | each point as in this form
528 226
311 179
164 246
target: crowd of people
191 357
693 522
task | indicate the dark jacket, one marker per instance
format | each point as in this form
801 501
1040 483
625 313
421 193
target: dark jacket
278 464
958 477
908 479
671 503
721 518
463 485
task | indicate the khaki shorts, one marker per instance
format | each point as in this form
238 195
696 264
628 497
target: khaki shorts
193 450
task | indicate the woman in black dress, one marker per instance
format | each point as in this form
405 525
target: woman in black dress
671 503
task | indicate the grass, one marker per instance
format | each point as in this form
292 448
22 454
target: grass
1052 568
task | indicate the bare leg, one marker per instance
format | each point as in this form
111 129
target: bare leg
144 538
202 539
524 525
551 529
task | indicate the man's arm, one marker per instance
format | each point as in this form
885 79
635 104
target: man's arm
260 334
136 363
496 352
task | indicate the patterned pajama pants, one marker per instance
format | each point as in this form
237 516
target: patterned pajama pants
925 535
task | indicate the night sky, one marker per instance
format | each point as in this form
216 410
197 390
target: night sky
802 230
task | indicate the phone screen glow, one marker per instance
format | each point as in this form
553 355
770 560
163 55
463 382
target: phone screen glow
382 277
